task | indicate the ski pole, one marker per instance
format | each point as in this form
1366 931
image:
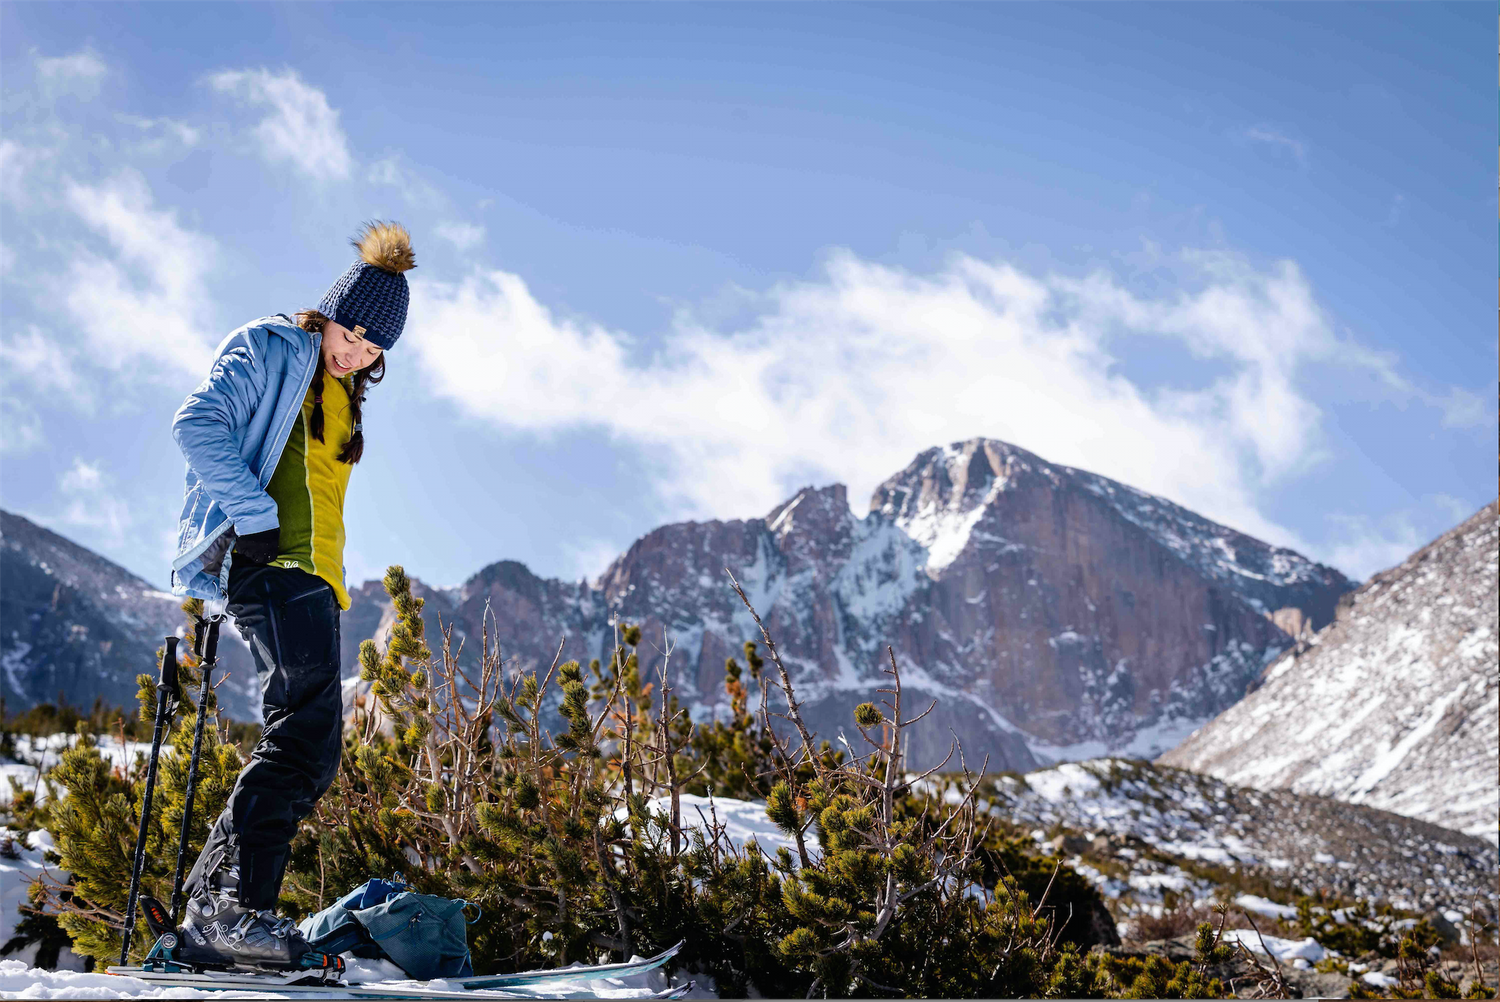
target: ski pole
166 700
208 647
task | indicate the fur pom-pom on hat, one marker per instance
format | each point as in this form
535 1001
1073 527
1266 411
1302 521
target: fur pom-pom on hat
387 246
370 298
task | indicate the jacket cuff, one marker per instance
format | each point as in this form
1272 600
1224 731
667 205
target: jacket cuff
256 523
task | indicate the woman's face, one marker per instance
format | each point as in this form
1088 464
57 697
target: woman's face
344 351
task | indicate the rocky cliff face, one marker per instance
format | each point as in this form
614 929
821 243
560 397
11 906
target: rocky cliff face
1394 704
78 627
1054 613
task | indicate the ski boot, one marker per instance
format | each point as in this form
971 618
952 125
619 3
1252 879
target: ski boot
218 931
171 956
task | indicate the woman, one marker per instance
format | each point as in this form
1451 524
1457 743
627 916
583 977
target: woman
270 439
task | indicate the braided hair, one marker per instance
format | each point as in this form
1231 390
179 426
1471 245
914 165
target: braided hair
313 321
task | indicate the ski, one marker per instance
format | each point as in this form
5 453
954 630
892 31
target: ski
229 981
575 973
320 972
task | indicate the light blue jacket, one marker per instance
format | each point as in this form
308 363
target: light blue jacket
232 429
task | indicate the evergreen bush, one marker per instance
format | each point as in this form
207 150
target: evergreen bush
551 800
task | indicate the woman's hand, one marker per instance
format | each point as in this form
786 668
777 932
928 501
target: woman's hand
259 547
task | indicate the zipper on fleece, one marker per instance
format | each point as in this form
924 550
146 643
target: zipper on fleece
267 470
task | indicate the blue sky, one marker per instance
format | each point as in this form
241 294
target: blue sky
676 261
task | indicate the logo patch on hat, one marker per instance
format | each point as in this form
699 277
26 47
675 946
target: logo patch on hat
359 330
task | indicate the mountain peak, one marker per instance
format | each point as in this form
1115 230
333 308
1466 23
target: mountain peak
810 504
941 496
945 499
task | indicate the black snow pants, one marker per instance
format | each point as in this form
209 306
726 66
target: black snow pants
290 619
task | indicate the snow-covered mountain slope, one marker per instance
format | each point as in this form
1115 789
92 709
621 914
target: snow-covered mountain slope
1052 612
1394 705
75 624
1139 829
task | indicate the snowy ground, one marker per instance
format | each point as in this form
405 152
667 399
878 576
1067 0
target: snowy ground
34 757
1300 953
18 980
16 876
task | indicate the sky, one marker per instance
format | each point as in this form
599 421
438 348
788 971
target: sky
676 261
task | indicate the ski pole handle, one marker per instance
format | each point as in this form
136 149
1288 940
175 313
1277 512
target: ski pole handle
167 682
166 688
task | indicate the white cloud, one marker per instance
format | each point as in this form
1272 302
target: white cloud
165 132
301 128
93 502
1274 137
1455 510
461 235
588 557
20 425
848 377
17 164
1369 545
394 172
39 361
1461 408
83 478
146 299
79 74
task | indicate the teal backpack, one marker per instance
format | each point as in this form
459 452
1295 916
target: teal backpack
423 934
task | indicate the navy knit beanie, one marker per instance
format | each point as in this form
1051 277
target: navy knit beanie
370 298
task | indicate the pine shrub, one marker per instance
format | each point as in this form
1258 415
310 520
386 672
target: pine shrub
550 800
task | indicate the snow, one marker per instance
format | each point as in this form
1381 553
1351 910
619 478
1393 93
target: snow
1387 761
1146 743
1379 980
18 980
944 533
16 878
1284 950
46 752
14 662
743 820
944 530
1262 906
880 575
1064 782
